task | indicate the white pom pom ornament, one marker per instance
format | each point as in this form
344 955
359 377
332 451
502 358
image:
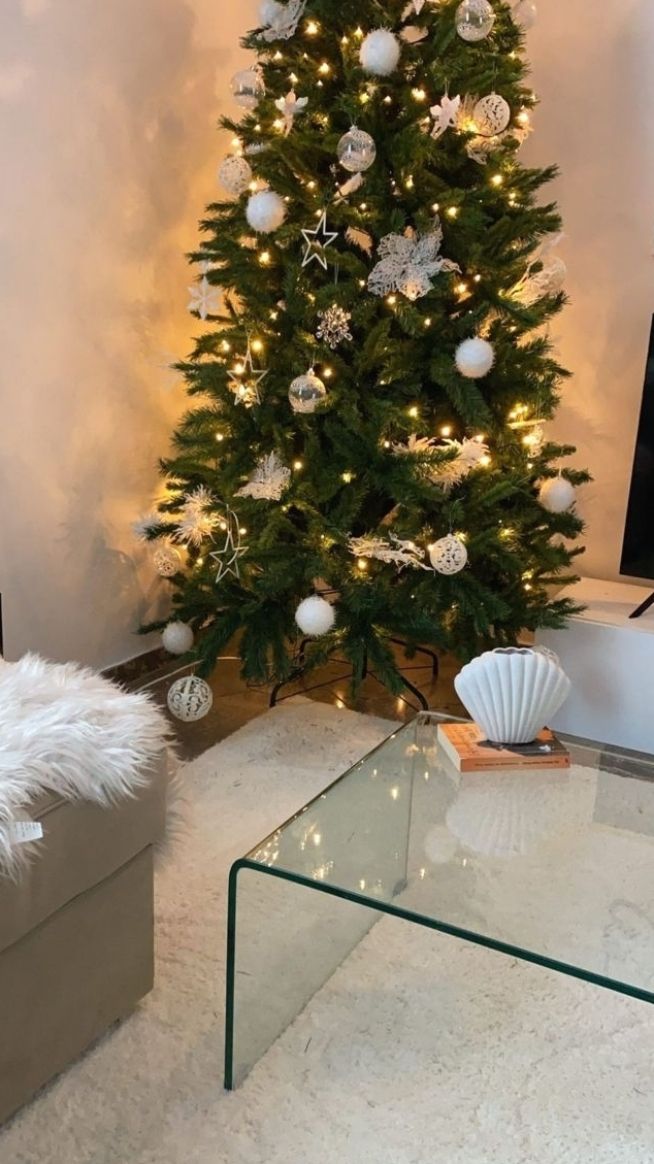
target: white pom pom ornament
475 358
190 699
380 52
266 211
315 616
557 495
177 638
235 174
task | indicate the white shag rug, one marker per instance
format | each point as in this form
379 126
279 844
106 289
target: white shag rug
421 1049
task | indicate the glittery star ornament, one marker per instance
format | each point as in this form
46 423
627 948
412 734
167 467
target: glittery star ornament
317 242
231 551
245 381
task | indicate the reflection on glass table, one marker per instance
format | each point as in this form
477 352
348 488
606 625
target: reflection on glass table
554 867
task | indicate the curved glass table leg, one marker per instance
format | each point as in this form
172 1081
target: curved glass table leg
284 942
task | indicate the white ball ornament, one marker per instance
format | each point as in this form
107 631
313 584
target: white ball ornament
315 616
491 115
269 12
474 20
525 14
380 52
475 358
248 86
306 393
448 555
557 495
167 561
178 638
356 151
235 174
190 699
266 211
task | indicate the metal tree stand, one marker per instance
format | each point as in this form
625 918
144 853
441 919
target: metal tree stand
297 674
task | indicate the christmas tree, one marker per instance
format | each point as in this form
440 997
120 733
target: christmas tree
365 458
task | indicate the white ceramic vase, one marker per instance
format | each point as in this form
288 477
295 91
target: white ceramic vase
512 693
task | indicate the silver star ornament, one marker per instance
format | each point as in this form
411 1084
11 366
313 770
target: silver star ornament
317 241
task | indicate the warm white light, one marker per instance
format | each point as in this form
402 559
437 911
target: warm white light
452 211
348 477
313 28
298 465
446 430
414 411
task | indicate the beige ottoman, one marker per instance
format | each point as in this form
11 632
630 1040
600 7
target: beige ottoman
76 934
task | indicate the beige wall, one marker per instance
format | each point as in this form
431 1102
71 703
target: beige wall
593 71
107 113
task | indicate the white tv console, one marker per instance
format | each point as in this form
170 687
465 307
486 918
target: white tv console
610 660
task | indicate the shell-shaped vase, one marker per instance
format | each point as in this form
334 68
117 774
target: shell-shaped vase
512 693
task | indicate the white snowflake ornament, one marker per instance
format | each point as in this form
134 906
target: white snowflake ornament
205 298
408 264
269 480
334 328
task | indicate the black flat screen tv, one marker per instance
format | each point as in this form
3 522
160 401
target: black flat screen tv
638 546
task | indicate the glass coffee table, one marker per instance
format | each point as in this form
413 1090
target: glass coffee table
553 867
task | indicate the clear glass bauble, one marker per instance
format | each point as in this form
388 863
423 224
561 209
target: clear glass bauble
474 20
247 88
356 150
307 392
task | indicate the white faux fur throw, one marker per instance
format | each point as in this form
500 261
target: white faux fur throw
65 729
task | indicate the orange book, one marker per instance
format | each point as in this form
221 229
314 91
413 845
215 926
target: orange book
468 749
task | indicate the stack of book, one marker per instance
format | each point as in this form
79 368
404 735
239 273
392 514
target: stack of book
465 746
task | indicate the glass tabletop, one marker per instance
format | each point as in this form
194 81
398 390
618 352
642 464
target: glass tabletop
556 867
